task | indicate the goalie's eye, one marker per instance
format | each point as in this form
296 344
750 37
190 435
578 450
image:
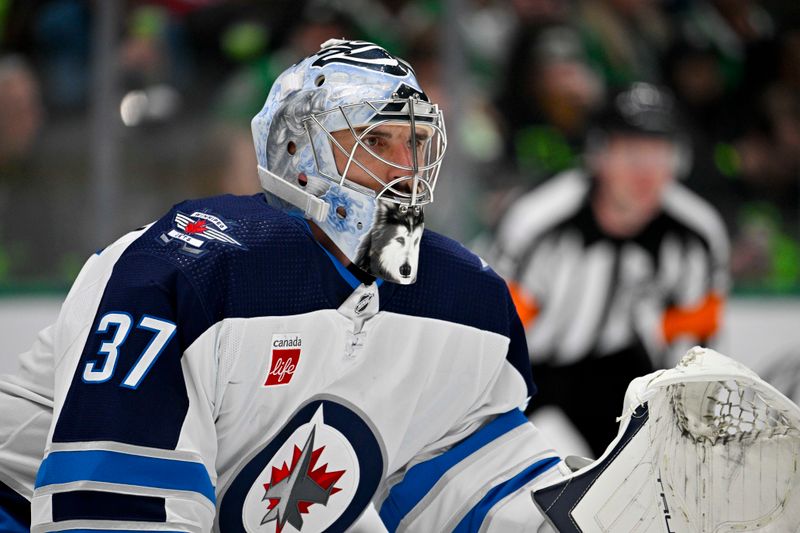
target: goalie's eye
420 140
374 141
401 240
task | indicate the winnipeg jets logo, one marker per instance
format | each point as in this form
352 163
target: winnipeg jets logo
197 229
365 55
293 490
307 484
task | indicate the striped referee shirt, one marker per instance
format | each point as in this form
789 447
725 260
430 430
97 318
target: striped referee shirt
583 293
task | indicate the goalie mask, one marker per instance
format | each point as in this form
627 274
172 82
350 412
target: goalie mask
348 140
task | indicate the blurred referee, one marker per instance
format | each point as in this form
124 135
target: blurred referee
615 266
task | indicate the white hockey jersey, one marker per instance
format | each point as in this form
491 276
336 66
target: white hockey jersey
219 369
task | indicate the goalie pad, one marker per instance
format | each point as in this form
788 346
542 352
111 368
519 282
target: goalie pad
705 447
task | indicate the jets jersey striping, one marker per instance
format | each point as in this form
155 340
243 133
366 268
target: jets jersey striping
219 369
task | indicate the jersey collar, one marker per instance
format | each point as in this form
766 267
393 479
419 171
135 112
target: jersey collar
343 271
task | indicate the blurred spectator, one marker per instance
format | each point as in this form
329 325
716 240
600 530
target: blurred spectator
393 24
475 141
549 93
699 84
21 116
489 29
515 20
740 32
61 32
154 49
698 80
770 150
535 12
192 72
763 255
744 159
20 109
614 266
726 57
625 38
241 95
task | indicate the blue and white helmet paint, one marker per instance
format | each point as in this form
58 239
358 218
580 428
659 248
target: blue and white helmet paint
352 86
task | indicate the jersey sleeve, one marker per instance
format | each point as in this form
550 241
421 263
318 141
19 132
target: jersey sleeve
26 398
132 442
26 403
481 482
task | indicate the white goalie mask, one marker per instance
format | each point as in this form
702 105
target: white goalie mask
315 141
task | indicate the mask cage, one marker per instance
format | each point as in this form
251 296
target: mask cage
423 172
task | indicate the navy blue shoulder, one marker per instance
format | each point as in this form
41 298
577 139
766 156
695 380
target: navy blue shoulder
222 225
243 257
455 285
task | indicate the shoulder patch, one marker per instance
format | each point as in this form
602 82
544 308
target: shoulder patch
197 229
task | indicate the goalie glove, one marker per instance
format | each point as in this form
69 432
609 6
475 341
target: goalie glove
707 446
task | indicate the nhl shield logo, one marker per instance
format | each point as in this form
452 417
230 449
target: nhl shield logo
318 474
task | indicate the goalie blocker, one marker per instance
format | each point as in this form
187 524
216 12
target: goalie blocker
705 447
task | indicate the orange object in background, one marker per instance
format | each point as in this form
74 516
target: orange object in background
525 304
701 321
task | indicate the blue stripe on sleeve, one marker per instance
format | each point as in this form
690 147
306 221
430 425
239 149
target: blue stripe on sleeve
421 478
473 520
116 467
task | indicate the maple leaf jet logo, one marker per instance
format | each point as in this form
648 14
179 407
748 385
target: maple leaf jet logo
199 228
292 490
196 227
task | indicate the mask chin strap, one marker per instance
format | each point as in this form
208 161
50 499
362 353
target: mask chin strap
313 207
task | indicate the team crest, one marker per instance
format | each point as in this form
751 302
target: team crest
307 484
197 229
318 474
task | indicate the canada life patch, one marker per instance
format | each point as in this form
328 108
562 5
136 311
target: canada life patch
285 351
317 474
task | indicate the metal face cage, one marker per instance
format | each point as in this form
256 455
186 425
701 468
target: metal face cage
414 183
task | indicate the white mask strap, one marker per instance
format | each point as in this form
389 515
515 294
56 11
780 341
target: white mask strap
315 208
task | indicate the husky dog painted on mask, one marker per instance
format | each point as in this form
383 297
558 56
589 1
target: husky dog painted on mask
392 249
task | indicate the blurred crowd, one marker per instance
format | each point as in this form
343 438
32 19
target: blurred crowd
518 92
